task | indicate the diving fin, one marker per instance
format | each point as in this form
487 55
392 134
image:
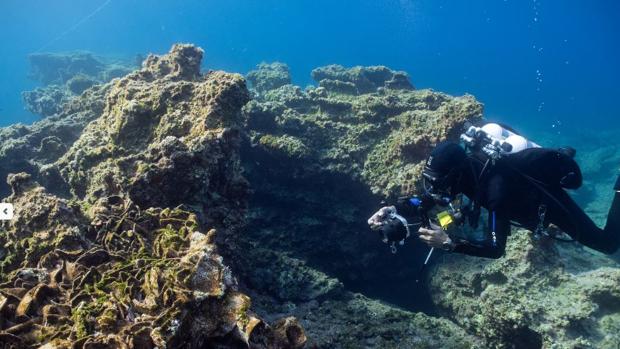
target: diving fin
617 186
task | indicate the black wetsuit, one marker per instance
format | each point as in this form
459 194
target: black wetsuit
509 196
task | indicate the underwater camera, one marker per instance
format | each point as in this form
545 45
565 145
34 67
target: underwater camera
423 211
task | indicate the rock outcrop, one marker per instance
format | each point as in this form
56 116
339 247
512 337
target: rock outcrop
537 296
129 258
65 76
378 135
59 69
29 148
330 157
326 156
269 77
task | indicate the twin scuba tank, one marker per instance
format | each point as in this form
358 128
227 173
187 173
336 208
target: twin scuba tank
495 141
547 167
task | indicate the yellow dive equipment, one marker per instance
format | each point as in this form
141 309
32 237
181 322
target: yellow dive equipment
445 219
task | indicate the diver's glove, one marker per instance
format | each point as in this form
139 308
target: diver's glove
393 227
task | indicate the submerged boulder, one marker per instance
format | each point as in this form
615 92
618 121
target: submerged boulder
164 140
30 148
65 76
529 298
269 76
338 79
46 101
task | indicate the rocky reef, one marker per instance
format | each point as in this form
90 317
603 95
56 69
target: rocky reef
65 76
124 254
171 208
535 297
29 148
329 157
376 131
325 156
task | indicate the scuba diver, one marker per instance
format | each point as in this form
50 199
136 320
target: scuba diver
517 182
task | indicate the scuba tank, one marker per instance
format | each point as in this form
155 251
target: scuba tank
543 166
495 141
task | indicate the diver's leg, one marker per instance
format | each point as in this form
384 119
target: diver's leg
613 217
567 215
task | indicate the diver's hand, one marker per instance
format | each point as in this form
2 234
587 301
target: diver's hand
435 237
378 219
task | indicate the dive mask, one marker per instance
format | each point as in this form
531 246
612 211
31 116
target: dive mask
437 186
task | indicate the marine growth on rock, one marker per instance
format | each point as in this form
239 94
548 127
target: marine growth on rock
165 207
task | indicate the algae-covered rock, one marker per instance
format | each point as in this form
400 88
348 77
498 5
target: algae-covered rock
29 148
164 139
65 76
46 101
360 126
364 79
269 76
528 298
129 258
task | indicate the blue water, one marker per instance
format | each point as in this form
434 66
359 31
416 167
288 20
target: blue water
536 64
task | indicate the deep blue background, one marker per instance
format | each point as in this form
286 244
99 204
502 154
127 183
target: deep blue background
491 49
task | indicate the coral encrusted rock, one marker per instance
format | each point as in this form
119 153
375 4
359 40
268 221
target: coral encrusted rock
531 298
128 258
29 148
269 76
65 76
360 122
167 136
